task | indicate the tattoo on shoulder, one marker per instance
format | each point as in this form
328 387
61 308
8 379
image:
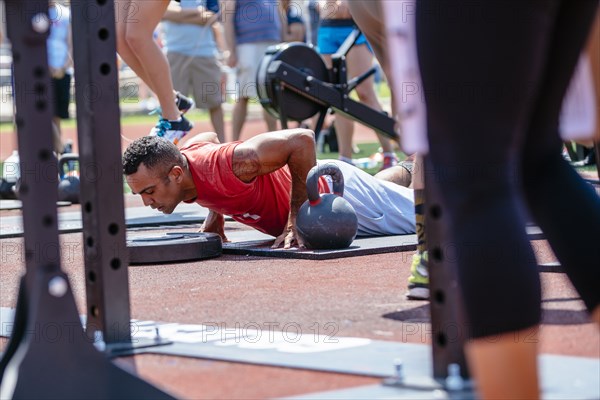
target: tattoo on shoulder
246 164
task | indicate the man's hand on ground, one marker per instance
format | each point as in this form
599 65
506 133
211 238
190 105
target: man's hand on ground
220 232
289 238
215 223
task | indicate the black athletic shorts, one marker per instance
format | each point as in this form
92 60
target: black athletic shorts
62 96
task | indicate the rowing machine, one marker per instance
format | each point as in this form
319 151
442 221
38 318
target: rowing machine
295 84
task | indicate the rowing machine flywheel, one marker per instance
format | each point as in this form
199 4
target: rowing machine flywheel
305 59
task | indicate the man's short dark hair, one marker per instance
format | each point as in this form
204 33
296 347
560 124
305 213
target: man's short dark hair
154 152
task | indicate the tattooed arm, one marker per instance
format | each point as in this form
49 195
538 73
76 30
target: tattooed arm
270 151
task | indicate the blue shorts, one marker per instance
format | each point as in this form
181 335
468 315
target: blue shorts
330 38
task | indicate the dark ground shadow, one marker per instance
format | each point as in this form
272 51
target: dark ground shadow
413 315
565 317
549 317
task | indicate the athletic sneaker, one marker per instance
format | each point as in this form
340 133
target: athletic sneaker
184 104
388 162
346 160
418 281
172 130
565 154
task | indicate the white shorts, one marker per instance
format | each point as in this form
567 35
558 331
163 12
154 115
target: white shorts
382 207
249 56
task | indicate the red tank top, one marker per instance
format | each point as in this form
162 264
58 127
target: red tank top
263 204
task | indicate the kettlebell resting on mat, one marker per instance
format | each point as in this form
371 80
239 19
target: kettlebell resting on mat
260 182
326 221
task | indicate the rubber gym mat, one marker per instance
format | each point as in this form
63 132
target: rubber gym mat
255 243
69 222
284 346
360 247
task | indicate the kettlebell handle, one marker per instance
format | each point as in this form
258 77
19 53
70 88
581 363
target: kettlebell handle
312 181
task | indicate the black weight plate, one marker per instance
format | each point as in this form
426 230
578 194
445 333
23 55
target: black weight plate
173 247
302 57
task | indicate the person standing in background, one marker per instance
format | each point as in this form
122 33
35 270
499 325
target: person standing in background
136 21
335 26
516 80
314 18
147 99
60 63
296 27
368 15
192 54
251 26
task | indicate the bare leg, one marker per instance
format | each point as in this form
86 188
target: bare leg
596 316
239 117
137 47
368 15
344 127
515 354
504 365
396 174
122 16
418 181
56 135
360 60
270 121
217 120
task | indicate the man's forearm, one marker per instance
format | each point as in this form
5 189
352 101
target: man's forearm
196 16
214 218
214 223
228 25
219 37
174 13
201 17
299 163
268 152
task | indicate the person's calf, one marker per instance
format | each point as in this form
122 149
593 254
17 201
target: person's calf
217 120
398 174
596 316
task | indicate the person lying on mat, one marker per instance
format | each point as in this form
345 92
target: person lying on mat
260 182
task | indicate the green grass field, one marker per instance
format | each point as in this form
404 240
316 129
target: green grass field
366 150
136 119
382 89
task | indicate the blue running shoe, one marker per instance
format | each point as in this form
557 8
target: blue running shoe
173 131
